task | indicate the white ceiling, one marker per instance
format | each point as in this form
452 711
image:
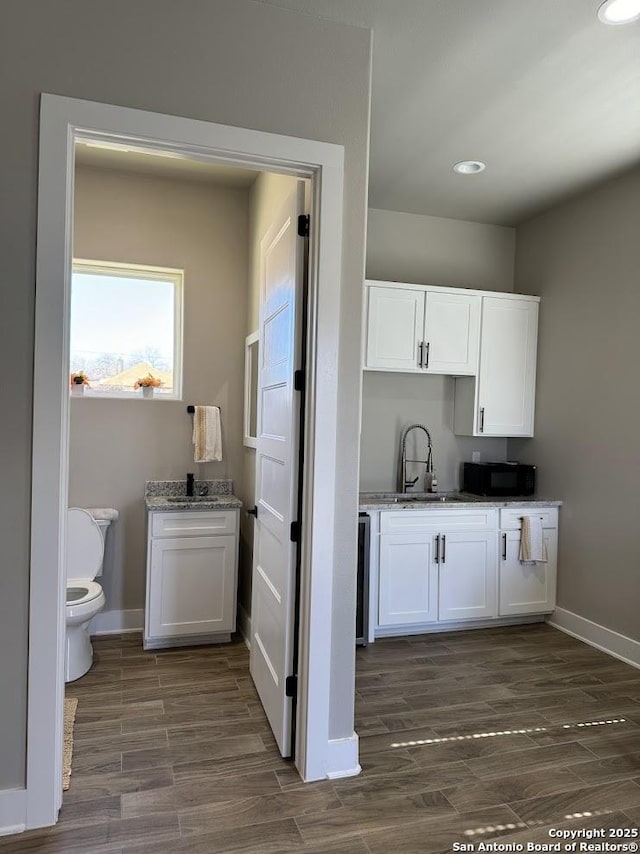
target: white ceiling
540 90
163 163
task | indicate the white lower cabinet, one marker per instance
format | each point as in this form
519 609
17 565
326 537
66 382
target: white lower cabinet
467 576
527 588
191 579
408 580
440 567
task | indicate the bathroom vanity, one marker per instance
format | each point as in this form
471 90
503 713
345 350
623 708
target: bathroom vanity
452 562
192 564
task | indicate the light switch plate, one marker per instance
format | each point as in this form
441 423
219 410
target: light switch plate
475 456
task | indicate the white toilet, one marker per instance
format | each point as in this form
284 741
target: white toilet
85 552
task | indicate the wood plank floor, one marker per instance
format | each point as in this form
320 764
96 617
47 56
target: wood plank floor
465 736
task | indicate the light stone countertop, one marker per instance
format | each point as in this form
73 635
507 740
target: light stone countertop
170 495
429 501
210 502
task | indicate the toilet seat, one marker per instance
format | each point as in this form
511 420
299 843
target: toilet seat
81 590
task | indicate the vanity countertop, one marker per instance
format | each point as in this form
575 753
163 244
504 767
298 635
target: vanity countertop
431 501
170 495
196 502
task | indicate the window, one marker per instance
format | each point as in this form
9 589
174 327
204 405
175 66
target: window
126 323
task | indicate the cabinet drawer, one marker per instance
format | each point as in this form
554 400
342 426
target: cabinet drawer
455 519
194 523
511 519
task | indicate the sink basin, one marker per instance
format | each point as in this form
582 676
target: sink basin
430 499
417 498
194 499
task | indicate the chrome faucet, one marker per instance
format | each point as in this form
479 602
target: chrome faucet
404 483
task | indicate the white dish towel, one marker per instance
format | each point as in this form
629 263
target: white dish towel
207 434
533 548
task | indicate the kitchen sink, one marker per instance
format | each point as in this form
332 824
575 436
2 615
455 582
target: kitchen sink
194 499
416 498
429 499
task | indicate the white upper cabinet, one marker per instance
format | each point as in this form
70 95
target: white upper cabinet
395 327
451 333
501 402
506 386
415 329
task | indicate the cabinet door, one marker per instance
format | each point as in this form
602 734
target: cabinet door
508 345
395 326
452 333
527 588
408 580
468 571
191 586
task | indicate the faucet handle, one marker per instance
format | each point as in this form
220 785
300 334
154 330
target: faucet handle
411 482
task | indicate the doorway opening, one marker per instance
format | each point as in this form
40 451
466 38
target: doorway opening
65 123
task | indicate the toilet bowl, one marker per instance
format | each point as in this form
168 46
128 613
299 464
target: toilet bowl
85 598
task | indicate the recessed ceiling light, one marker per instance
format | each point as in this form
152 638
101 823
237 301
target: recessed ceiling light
619 11
469 167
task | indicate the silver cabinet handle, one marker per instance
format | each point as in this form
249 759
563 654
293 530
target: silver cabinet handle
438 548
482 419
427 347
444 548
420 354
504 547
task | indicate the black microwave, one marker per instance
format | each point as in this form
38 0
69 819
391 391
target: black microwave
499 479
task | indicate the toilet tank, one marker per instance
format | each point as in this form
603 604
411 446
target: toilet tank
103 524
104 517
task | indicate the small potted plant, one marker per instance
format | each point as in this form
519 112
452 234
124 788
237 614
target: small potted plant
78 381
148 384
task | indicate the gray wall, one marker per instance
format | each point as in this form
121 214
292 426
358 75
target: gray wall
583 258
432 250
229 61
115 445
266 195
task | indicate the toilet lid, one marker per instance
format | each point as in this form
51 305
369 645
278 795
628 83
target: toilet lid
85 546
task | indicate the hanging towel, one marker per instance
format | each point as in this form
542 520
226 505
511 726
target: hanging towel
207 434
533 548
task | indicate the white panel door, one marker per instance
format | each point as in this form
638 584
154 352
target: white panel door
273 592
508 346
395 327
408 580
192 586
527 588
452 333
468 575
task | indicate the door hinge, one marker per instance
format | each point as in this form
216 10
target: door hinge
303 225
295 532
291 686
298 380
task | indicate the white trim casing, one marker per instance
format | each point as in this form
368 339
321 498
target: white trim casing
249 441
343 758
619 646
62 121
13 807
117 622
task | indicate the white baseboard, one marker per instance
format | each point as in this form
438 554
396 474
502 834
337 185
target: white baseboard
244 625
342 758
117 622
457 626
619 646
13 811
